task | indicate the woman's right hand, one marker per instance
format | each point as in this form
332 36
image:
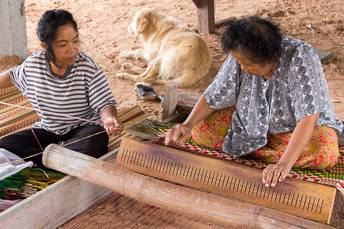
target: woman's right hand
179 133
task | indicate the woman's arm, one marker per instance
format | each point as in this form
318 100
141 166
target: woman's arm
181 132
226 84
110 120
5 79
200 112
297 143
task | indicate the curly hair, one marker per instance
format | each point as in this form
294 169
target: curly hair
258 37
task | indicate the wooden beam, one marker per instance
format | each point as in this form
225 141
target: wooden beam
167 195
205 16
186 101
197 3
169 103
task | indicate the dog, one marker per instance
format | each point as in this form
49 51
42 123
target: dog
172 51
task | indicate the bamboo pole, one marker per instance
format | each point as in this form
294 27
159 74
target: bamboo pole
170 196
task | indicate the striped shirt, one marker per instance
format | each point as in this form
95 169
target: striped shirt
59 101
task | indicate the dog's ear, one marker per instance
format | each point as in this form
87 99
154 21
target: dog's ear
142 23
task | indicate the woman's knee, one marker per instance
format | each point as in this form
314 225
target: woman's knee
95 146
322 151
99 146
212 131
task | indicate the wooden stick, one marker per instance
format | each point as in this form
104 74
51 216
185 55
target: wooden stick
173 197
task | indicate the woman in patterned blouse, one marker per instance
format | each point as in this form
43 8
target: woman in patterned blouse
269 100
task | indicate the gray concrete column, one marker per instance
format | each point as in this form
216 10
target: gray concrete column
13 40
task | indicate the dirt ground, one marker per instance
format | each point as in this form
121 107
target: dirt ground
103 28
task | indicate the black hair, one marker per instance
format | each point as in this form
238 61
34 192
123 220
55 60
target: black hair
260 38
48 24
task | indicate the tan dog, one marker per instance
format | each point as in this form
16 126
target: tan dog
172 51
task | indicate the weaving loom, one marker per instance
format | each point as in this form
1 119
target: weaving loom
120 210
294 197
232 180
143 158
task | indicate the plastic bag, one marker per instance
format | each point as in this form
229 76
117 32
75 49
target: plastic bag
11 163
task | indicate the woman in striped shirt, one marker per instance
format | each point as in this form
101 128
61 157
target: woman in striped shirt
68 90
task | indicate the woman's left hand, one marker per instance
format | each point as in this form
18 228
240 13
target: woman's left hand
275 173
112 126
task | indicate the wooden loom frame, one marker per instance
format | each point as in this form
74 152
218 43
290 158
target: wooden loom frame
70 196
147 189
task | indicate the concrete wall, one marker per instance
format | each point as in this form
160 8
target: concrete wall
13 40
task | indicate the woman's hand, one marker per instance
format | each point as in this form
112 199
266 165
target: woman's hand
109 118
179 133
297 142
112 126
275 173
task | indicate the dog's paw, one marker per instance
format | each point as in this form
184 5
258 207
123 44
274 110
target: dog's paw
127 66
121 75
126 54
137 58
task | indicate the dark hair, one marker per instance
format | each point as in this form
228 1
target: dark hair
48 24
258 37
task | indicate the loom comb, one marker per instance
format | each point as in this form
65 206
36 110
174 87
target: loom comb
228 179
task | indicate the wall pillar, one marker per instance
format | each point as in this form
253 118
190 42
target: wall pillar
13 39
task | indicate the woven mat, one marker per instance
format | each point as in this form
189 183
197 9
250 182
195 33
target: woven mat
31 180
117 211
12 118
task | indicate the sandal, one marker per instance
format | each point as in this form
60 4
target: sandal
145 92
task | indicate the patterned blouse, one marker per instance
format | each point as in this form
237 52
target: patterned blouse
296 89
